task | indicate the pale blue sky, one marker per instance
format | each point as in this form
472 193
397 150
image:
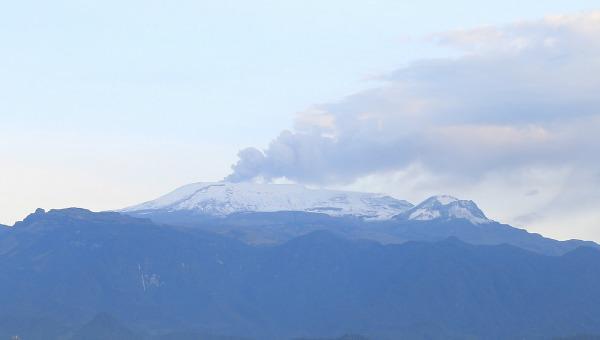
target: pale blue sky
108 103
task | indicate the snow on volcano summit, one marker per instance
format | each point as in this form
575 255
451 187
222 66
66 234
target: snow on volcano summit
224 198
446 207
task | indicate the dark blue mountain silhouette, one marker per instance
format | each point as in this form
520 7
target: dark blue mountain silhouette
278 227
70 265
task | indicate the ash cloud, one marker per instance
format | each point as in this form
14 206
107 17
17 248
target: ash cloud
521 95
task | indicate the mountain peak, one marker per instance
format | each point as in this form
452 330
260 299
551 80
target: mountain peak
225 198
443 199
445 207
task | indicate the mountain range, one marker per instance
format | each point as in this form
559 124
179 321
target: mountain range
258 261
62 268
274 213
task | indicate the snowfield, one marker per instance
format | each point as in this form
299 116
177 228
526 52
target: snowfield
225 198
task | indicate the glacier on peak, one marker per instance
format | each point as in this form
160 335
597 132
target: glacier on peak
446 207
224 198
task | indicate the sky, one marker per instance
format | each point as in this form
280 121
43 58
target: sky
105 104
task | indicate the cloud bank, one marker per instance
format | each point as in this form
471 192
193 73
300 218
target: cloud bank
522 95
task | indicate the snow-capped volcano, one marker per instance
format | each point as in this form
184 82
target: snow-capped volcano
224 198
445 208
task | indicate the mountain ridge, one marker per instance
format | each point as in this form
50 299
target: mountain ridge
238 216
